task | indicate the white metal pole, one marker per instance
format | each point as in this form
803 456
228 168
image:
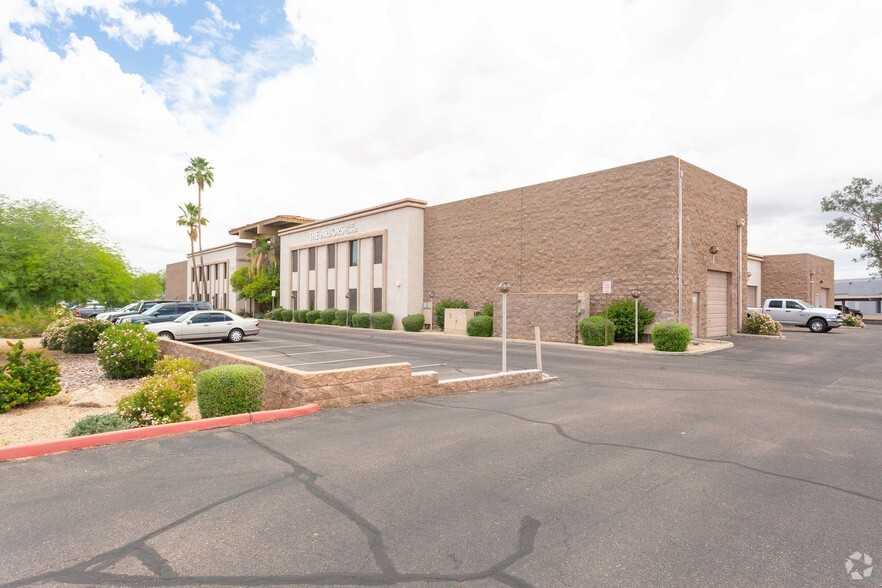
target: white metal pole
504 333
538 350
636 324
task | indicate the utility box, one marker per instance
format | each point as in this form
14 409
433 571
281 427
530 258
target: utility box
456 320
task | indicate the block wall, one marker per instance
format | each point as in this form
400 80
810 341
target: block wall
798 275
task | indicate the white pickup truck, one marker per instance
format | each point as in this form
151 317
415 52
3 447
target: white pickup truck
799 313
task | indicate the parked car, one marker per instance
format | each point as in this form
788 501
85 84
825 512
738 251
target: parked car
847 310
204 325
799 313
105 316
139 307
165 312
88 310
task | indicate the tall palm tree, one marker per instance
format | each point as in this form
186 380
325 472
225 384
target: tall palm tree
191 219
201 173
263 255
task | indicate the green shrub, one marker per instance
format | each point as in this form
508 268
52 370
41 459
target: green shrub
344 318
259 315
413 322
27 322
99 423
82 335
170 365
301 316
313 315
382 320
486 310
480 326
287 315
159 400
27 377
852 320
597 331
761 324
276 314
329 316
229 389
445 303
360 320
621 313
56 331
127 351
671 336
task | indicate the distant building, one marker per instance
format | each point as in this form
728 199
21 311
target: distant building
863 294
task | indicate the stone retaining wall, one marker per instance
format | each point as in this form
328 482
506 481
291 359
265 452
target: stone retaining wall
287 387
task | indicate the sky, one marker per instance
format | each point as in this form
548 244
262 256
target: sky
321 108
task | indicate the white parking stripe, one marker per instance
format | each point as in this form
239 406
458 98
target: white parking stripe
314 352
334 361
242 348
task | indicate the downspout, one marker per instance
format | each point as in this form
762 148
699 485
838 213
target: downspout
740 277
679 243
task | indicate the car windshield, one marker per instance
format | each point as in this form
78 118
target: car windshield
185 317
804 303
130 306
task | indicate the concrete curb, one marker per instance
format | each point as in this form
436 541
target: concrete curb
61 445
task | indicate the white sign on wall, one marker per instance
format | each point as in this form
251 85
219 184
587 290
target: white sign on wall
607 286
329 232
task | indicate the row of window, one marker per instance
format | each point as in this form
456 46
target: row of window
352 301
332 254
218 268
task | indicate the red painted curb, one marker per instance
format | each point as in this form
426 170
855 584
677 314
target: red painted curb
46 447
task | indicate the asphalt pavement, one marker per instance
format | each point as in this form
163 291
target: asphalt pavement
758 465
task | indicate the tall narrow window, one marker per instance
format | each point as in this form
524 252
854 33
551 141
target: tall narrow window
312 258
332 299
294 257
378 299
378 249
353 253
353 299
332 256
312 300
225 271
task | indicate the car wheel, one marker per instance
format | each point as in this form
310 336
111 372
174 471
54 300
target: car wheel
818 325
235 336
166 335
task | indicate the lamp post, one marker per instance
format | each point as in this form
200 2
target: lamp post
347 308
635 294
504 287
431 310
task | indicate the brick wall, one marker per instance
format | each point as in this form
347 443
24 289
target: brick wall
569 235
790 276
555 313
176 281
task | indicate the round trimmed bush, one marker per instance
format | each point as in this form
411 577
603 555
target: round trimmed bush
301 316
276 314
382 320
99 423
671 336
127 351
480 326
56 331
597 331
329 316
82 335
621 313
413 322
229 389
344 318
312 316
360 320
287 315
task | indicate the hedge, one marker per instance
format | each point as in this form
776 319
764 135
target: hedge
480 326
382 320
597 331
329 316
360 320
671 336
229 389
413 322
344 318
313 316
287 315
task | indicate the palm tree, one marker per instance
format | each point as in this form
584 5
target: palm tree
263 256
201 173
191 219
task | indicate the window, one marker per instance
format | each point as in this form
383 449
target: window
204 317
353 299
378 299
794 305
294 255
312 258
332 301
353 253
218 317
378 249
312 300
225 271
775 304
293 300
332 256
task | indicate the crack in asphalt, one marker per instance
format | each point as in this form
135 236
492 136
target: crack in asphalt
560 431
92 571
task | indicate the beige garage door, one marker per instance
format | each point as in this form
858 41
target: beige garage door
717 304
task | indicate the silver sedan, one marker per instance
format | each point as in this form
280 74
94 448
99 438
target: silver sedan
207 324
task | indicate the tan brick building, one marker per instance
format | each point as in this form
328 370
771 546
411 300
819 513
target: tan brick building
176 281
639 226
798 275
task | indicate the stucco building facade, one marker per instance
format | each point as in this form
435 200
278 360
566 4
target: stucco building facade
799 275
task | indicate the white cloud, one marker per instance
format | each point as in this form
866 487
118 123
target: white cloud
446 100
